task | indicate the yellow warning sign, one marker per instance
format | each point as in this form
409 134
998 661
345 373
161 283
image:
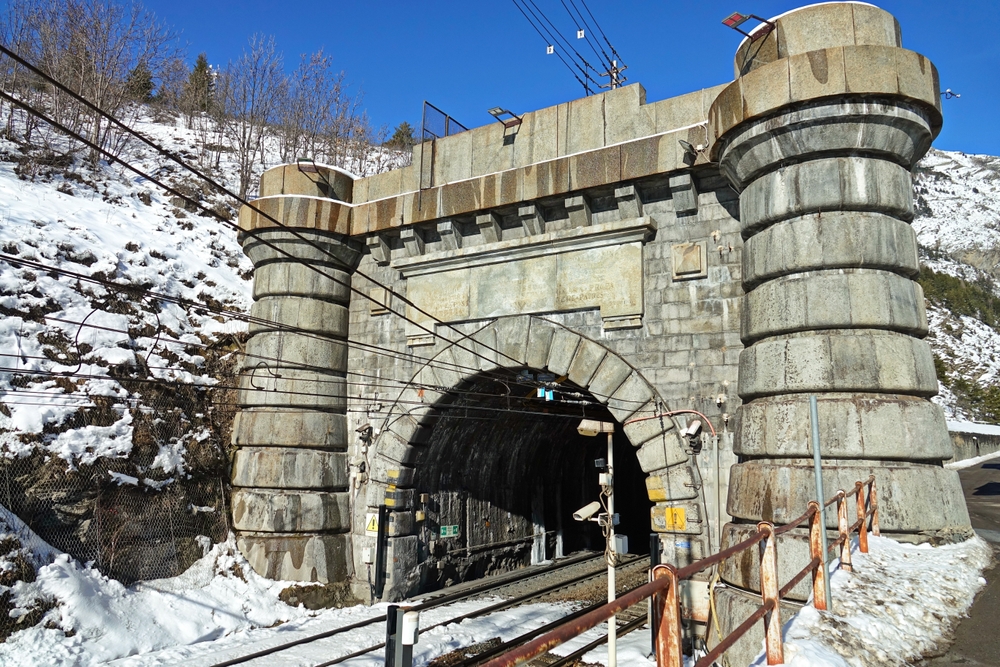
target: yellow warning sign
675 518
371 524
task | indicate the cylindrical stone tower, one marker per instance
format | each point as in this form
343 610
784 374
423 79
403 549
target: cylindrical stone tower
290 503
819 131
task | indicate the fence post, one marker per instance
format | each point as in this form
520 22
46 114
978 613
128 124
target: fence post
863 517
667 619
873 503
819 575
769 594
845 534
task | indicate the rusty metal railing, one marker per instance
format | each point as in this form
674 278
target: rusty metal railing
666 602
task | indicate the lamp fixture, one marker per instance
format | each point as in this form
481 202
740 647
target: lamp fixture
508 123
736 19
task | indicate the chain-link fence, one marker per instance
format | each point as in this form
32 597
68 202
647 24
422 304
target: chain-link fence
130 529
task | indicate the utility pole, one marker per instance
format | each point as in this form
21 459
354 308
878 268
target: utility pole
615 74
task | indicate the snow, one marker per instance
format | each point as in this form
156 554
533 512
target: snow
974 461
973 427
901 603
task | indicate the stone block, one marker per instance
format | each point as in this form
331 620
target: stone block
320 181
293 389
765 89
450 237
682 550
675 483
561 351
912 498
679 517
593 169
609 376
294 279
834 299
626 114
851 426
281 428
294 557
585 122
413 241
743 569
532 219
662 450
512 339
491 150
831 184
578 209
453 157
379 249
289 468
639 429
831 240
626 400
284 511
402 573
918 78
816 74
276 313
734 607
684 194
546 179
871 69
586 361
816 27
629 202
489 227
677 112
849 360
270 351
536 139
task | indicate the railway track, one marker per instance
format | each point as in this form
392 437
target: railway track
580 577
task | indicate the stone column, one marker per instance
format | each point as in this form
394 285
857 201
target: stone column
290 503
819 131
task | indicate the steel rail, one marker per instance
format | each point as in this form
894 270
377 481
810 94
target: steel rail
430 603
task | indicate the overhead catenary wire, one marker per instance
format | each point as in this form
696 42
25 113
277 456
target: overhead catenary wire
601 30
198 306
604 60
17 58
553 31
586 87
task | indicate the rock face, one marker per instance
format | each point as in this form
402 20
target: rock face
819 133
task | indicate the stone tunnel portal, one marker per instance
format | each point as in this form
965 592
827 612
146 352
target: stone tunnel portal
503 473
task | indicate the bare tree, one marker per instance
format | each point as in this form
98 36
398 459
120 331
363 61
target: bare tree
93 47
251 92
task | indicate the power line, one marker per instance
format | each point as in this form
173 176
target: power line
558 55
229 193
586 33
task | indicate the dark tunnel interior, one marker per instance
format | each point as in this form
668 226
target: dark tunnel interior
503 465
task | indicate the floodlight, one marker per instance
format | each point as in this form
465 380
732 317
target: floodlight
513 121
307 165
592 427
947 94
736 19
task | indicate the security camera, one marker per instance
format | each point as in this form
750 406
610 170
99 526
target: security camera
587 512
692 429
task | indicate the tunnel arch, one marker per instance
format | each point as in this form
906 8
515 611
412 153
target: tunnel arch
616 391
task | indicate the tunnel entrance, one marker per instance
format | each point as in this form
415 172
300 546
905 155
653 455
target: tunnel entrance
503 472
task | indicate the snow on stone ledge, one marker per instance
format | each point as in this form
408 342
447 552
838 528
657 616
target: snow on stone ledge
902 602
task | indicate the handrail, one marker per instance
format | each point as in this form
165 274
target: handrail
662 589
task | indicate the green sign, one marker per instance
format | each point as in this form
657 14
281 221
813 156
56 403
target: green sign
449 531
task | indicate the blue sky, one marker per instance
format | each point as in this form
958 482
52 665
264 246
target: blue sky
466 57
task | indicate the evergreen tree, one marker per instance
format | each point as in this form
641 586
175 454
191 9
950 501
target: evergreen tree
403 137
139 86
198 90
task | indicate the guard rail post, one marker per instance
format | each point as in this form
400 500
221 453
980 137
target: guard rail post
667 619
873 503
845 533
769 594
862 519
819 573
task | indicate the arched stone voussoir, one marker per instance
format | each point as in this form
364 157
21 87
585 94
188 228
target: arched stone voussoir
395 448
540 333
630 396
678 517
484 343
387 471
512 339
562 350
586 361
640 428
674 483
661 451
608 377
